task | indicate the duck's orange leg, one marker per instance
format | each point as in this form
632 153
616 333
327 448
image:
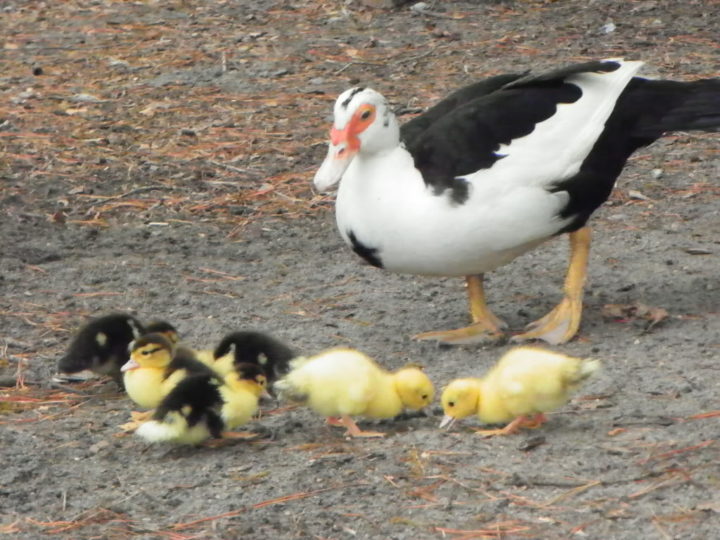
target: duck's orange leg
485 326
563 322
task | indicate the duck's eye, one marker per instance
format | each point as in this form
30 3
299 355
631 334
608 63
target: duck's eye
365 115
451 403
424 396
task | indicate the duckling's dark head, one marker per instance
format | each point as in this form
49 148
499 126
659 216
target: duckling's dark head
101 345
164 328
252 372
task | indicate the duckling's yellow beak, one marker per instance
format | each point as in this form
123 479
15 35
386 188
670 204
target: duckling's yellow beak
130 364
447 421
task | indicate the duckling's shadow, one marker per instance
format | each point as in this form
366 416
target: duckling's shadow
181 451
407 420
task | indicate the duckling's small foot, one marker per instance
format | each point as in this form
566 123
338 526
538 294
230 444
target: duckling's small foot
535 422
354 431
141 416
246 435
558 326
228 437
511 428
264 432
137 418
334 421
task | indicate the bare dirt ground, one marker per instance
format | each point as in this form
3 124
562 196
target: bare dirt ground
157 157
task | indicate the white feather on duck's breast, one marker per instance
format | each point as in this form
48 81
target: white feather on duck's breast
431 234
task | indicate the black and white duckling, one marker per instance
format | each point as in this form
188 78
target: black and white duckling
203 406
252 347
341 383
155 367
101 346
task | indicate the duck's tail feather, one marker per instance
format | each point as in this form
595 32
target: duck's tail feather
674 106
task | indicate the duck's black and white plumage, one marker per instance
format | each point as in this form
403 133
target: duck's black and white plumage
496 169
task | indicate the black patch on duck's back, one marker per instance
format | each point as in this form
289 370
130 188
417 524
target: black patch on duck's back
368 253
458 189
645 110
555 75
467 139
415 127
463 133
352 94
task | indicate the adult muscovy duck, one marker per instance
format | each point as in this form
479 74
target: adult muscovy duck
496 169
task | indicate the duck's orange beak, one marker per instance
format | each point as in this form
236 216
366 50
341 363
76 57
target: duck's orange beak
342 149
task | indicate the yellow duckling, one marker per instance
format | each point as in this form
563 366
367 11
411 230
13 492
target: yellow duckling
344 382
526 381
203 406
155 367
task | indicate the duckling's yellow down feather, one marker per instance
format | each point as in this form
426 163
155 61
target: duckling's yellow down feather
344 381
525 381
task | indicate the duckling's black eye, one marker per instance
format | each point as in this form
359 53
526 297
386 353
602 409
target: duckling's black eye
365 115
424 396
451 403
